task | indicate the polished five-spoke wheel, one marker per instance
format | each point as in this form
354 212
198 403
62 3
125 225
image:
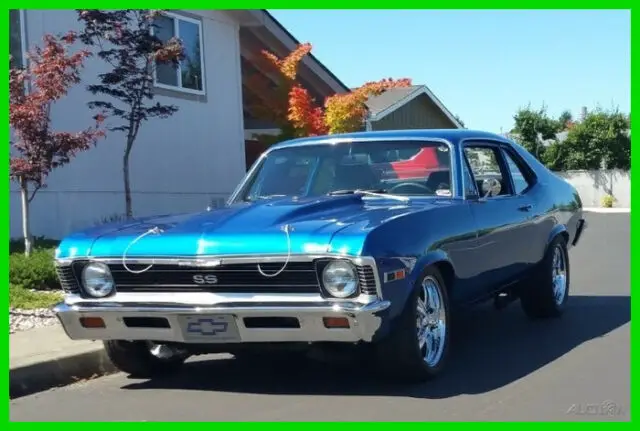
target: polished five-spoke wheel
416 347
431 321
559 275
546 293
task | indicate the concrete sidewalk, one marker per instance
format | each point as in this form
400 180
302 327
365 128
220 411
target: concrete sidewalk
45 357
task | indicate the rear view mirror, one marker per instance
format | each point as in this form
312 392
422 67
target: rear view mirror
491 187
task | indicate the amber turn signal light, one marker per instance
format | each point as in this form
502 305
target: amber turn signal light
335 322
92 322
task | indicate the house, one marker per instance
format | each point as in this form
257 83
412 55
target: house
194 158
413 107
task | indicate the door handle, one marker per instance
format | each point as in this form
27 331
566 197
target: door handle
527 207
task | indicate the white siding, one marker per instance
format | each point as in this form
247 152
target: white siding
177 164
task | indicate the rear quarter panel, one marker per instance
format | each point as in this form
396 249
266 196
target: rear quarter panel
558 202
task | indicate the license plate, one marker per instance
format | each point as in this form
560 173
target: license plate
209 328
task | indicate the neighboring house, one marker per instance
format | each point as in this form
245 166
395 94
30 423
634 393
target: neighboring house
183 163
414 107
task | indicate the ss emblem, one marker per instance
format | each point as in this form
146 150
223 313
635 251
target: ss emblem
205 279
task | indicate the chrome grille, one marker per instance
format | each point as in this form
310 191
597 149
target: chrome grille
367 280
68 280
297 277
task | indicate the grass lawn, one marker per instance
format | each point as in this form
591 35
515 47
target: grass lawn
19 297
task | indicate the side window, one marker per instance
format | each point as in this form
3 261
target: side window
484 164
520 182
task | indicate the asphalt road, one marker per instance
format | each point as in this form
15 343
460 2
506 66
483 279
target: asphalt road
503 367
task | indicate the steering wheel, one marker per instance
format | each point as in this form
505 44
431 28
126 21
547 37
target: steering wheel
422 187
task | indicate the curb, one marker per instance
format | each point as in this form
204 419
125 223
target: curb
607 210
63 371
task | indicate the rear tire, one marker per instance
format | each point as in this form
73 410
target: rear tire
417 347
137 359
547 292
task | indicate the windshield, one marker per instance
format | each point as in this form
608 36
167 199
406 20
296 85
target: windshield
404 168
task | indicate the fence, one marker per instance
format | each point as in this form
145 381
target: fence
594 185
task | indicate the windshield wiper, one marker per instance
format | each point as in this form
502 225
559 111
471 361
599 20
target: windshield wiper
255 198
374 192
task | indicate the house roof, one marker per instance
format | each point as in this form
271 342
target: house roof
394 98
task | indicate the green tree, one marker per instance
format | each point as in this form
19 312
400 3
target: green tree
602 139
532 127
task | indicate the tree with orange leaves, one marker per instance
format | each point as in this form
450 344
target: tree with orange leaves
295 112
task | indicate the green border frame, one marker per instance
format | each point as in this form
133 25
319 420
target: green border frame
353 4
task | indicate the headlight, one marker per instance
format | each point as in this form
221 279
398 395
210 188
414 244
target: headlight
97 280
339 278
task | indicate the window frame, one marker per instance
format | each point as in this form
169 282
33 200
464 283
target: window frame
176 31
496 147
23 37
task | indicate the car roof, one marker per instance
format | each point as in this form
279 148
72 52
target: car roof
454 136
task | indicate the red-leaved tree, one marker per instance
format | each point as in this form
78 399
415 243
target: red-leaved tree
289 106
37 149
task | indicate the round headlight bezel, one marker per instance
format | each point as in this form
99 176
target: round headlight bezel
348 269
106 275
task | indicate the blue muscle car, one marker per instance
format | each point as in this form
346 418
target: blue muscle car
367 241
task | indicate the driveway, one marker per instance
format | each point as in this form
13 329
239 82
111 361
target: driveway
503 368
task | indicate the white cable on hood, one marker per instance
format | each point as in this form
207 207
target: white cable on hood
286 229
155 230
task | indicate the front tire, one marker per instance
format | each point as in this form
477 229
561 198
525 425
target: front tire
417 347
547 292
143 359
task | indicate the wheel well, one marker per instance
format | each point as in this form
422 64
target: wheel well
446 270
563 234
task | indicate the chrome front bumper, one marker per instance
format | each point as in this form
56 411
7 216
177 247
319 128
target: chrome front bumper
221 323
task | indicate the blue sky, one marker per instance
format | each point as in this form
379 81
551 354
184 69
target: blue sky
483 65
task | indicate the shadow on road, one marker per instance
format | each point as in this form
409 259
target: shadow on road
491 350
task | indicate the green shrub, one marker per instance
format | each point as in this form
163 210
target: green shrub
607 201
19 297
34 272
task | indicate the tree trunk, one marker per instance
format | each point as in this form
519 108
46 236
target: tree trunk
26 229
127 183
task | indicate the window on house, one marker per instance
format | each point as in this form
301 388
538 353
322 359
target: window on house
189 75
16 38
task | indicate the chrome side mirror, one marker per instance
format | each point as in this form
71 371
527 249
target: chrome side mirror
491 187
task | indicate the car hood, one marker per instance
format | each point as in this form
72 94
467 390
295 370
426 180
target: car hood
315 225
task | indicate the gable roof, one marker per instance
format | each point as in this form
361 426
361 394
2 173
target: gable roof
395 98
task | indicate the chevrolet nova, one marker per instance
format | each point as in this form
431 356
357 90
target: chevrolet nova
367 241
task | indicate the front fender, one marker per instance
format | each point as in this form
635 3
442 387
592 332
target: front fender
398 291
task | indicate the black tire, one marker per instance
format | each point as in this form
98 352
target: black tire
399 355
538 298
135 358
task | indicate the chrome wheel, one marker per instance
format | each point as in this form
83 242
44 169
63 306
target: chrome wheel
559 275
431 321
